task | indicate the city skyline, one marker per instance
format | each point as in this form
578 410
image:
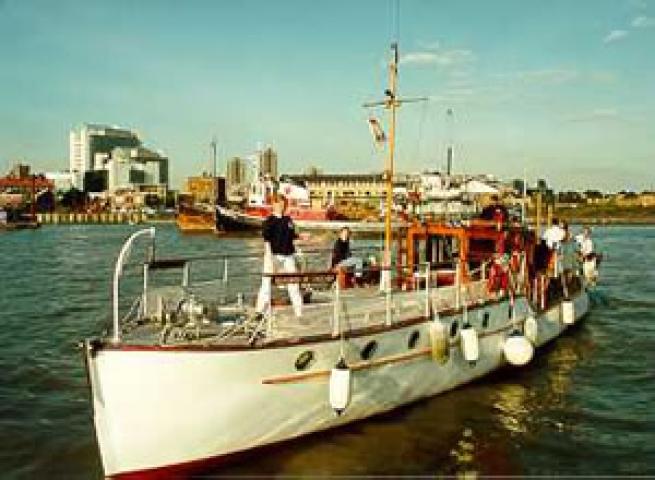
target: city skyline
562 90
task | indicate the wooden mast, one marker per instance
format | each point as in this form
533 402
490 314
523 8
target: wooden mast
391 104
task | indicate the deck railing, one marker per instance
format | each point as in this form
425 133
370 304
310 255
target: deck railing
422 282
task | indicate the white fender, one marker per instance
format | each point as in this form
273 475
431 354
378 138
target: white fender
531 329
518 350
568 312
340 385
470 347
439 343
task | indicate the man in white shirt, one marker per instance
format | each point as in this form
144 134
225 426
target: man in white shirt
554 235
587 255
585 242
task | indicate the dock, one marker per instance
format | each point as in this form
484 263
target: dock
90 218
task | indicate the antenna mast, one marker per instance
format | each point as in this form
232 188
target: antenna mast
212 145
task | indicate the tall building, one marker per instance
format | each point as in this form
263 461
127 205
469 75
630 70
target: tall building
236 172
91 146
268 162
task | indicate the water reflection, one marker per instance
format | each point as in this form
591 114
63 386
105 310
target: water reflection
535 400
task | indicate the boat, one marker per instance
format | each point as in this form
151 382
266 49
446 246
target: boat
258 205
191 376
194 217
196 221
17 221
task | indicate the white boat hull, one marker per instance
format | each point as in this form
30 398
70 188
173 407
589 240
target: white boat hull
158 407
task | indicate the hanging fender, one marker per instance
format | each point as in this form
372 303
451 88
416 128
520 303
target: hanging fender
518 350
470 344
568 312
340 386
439 343
531 329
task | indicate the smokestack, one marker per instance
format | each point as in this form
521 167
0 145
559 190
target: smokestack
449 160
449 148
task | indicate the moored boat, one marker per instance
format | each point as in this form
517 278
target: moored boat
192 374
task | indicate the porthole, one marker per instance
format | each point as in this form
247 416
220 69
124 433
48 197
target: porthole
485 320
369 350
453 329
304 360
413 339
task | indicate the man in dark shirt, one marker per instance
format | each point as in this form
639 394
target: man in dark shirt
341 255
278 233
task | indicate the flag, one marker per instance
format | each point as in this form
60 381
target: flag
377 132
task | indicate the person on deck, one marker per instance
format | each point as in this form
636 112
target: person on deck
554 235
587 255
342 256
585 243
279 234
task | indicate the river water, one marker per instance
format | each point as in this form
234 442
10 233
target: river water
585 406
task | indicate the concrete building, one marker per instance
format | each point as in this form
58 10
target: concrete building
90 147
236 172
131 168
19 170
63 181
328 188
267 162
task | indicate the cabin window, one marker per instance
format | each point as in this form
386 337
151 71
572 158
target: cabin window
304 360
453 329
413 339
369 350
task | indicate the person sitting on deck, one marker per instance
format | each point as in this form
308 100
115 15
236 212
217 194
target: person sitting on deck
279 234
342 256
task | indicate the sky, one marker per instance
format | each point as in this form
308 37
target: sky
562 90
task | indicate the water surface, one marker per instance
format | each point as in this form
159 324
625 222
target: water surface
585 406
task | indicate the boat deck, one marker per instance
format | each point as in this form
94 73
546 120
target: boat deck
236 323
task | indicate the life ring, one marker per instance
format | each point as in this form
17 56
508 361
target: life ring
498 278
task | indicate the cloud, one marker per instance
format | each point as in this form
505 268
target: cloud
544 76
642 21
418 58
433 54
615 35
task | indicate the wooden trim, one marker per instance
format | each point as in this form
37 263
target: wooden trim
364 365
